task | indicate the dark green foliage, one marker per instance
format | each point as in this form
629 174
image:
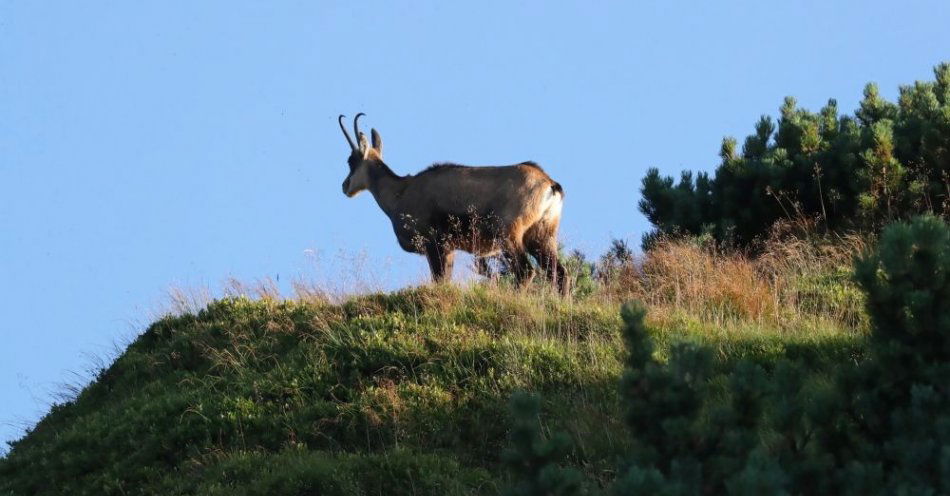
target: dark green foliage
677 450
897 408
908 284
888 161
534 461
881 426
667 396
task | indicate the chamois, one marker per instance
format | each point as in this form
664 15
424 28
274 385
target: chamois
513 210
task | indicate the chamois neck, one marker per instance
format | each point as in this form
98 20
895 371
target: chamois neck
386 186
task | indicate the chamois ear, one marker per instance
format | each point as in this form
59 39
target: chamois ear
377 142
364 146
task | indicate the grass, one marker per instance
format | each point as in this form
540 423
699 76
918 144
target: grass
406 392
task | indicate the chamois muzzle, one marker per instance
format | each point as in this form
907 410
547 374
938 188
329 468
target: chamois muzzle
346 187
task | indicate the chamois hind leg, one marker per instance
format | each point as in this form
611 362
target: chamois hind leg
520 266
518 262
441 261
545 251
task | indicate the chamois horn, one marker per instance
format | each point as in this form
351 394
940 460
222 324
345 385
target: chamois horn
356 127
347 135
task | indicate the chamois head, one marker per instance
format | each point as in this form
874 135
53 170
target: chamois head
363 158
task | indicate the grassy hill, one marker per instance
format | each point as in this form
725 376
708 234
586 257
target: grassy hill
406 393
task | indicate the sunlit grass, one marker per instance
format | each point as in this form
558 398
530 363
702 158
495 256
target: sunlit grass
257 390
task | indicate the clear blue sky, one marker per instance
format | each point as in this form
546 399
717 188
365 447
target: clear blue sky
145 145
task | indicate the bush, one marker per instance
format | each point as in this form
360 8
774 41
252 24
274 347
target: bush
888 161
881 425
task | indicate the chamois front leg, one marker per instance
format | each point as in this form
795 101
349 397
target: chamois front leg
441 261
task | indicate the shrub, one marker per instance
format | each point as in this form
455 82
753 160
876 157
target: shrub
881 425
888 161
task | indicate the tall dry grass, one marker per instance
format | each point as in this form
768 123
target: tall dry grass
793 283
790 280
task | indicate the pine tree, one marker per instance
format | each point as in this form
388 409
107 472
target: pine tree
887 162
